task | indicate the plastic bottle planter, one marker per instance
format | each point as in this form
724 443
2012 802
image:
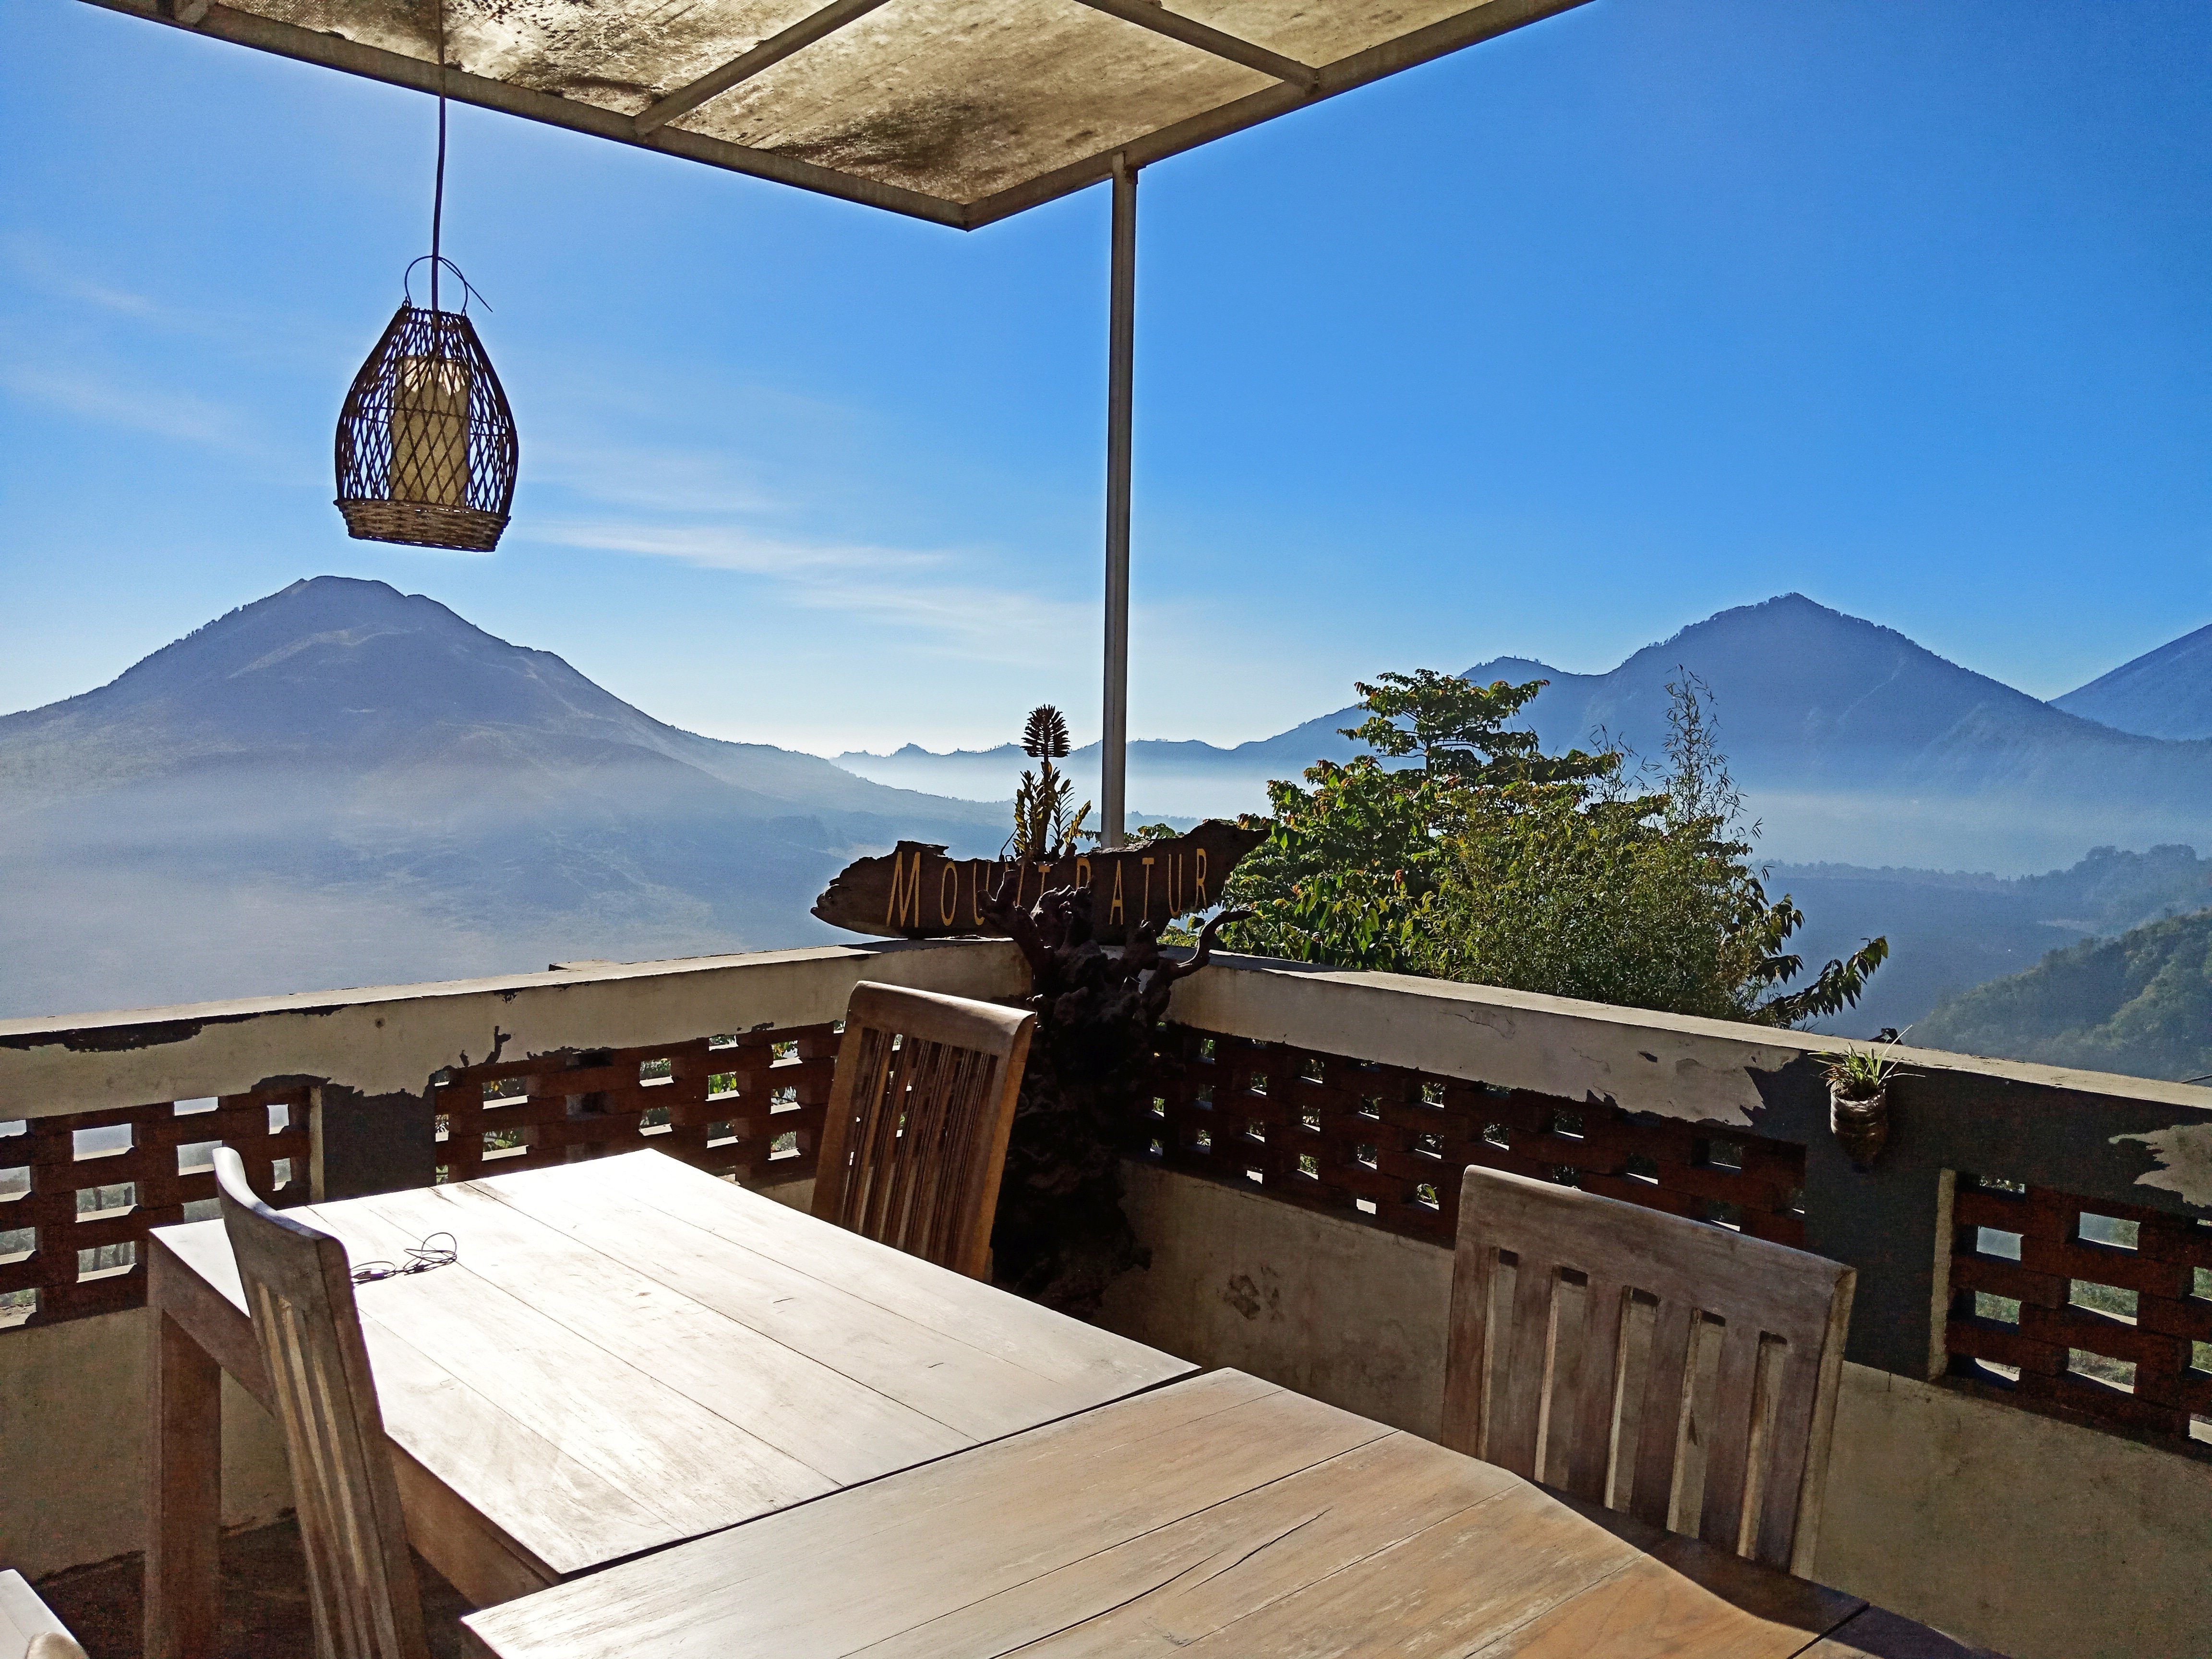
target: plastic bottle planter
426 444
1861 1127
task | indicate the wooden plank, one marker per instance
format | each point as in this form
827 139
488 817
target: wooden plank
472 1554
847 1331
1593 1437
1775 1597
842 1430
191 1277
1220 1515
514 1480
676 1458
1447 1588
183 1496
596 1377
1521 1384
1646 1611
1168 1588
932 1540
1047 1360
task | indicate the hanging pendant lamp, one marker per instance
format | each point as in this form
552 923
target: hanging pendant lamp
426 443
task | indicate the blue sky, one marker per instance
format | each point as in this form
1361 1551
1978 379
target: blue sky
1549 348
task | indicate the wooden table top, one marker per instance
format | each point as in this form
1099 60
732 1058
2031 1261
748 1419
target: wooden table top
1223 1516
629 1352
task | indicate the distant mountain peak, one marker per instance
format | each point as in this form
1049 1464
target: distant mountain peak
2165 693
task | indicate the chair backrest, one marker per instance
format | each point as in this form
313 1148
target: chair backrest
28 1629
299 1288
920 1110
1677 1370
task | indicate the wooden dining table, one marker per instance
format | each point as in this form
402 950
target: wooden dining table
620 1355
1220 1515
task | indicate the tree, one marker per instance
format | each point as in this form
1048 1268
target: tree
1350 870
1494 863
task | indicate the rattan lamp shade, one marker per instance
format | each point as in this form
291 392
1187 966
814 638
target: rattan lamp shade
426 444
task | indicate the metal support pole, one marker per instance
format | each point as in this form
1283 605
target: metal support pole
1120 373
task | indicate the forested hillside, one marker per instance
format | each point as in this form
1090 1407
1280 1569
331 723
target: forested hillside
2140 1003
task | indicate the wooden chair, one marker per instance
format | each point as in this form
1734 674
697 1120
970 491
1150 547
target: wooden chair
299 1289
28 1629
1681 1371
920 1110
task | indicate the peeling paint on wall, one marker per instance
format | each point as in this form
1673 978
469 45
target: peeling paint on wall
2185 1158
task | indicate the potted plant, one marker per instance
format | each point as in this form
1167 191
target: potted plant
1858 1100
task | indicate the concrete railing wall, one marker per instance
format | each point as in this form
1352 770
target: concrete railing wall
1957 1508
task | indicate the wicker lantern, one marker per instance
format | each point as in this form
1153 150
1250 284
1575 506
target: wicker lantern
426 444
426 447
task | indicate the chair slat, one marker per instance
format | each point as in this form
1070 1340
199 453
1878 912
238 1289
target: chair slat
1674 1334
1727 1429
1612 1402
1590 1440
915 1139
1516 1439
299 1289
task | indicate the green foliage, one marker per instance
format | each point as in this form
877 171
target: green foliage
2140 1003
1458 729
1492 862
1351 865
1047 828
1857 1073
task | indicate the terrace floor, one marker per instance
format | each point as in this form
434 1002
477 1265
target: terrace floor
264 1601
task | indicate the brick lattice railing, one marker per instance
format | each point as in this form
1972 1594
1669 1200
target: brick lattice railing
2103 1309
78 1192
1383 1145
748 1107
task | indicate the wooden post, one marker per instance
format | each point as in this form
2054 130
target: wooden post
184 1492
1121 350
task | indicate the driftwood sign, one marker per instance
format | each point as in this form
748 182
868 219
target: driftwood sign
916 892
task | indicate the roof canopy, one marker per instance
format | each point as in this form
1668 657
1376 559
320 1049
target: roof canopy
955 110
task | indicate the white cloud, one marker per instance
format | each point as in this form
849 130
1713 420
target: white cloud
37 261
662 480
911 589
167 414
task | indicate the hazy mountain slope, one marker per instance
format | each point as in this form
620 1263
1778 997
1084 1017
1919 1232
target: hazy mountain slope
2165 693
2140 1004
1187 778
1950 931
1851 743
391 792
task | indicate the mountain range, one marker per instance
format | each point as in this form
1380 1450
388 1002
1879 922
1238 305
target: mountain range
344 785
1851 743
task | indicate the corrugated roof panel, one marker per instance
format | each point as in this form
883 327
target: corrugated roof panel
957 111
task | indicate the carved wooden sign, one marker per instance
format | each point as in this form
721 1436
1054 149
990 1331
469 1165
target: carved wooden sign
916 892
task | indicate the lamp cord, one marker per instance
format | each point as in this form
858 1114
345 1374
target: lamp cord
438 198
